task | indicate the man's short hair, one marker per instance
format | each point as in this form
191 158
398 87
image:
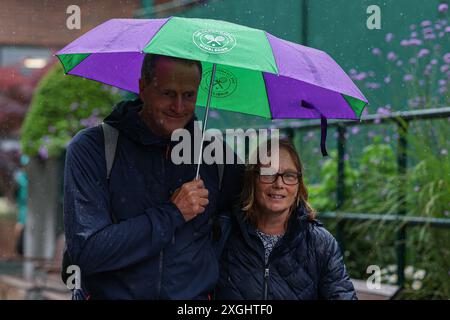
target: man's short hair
150 59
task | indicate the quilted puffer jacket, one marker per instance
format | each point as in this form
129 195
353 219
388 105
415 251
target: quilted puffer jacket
306 264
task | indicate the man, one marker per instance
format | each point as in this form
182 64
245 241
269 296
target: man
160 246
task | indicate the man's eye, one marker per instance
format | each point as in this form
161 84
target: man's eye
189 95
167 94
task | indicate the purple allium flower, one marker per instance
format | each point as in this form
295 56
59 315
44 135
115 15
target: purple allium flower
389 37
376 51
408 77
214 114
352 71
377 121
447 29
447 57
387 79
426 23
427 30
416 188
43 152
433 62
423 52
443 7
74 106
355 130
51 129
360 76
414 34
310 134
383 111
372 85
412 27
391 56
442 90
442 82
399 63
346 157
387 139
404 43
415 42
430 36
371 134
441 34
444 68
413 103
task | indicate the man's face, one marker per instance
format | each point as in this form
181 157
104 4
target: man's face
169 98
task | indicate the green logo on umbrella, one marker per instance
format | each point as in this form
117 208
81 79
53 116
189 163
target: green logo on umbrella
214 41
225 83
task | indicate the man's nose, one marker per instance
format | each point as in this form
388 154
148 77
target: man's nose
177 104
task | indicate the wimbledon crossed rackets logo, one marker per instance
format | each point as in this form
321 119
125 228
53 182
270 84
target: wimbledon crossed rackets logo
214 41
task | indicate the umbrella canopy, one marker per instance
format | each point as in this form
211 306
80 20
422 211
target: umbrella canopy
275 73
254 72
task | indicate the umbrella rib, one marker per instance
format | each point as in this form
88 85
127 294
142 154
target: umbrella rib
148 42
205 118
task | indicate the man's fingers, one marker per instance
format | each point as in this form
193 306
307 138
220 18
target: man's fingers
203 202
202 193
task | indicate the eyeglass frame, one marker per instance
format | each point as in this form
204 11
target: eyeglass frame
278 174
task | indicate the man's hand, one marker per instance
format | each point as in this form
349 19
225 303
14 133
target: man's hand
191 199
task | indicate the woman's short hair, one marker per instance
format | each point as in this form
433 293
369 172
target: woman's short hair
251 177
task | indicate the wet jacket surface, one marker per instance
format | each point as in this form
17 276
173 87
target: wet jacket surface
151 253
306 264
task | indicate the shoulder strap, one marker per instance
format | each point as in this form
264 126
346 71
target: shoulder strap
111 135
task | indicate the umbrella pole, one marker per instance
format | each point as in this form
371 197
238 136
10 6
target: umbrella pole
205 119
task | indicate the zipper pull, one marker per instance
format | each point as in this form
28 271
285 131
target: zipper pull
266 273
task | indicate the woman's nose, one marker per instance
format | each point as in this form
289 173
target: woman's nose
278 182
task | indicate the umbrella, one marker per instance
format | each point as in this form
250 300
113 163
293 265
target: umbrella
245 70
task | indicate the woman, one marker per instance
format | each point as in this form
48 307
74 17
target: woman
276 249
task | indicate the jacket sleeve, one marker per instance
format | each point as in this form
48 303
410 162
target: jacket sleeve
94 243
334 282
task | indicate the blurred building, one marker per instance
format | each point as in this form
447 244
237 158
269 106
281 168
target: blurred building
30 32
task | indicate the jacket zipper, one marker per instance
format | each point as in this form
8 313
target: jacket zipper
161 261
161 253
266 280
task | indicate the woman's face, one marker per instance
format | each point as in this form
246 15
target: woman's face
277 197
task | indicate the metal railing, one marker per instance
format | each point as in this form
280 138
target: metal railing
402 120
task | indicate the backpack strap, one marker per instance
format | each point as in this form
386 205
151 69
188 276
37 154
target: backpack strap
110 135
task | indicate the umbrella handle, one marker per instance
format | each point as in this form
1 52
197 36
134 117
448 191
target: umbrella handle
205 119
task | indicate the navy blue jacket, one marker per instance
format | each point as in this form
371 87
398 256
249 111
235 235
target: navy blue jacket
306 264
151 253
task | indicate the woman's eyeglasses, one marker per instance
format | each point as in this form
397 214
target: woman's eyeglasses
289 178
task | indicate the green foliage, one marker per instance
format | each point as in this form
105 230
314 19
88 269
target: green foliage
62 105
322 195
